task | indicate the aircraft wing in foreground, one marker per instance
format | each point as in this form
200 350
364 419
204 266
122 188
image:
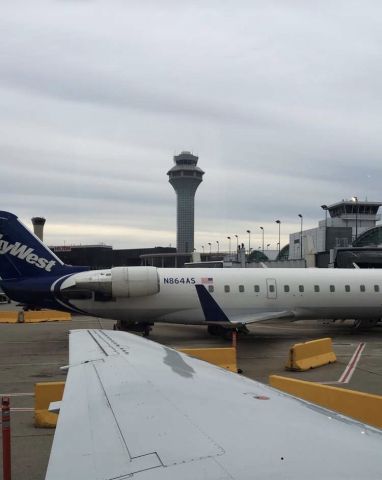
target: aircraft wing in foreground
135 409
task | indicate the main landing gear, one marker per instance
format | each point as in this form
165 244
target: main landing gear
226 332
365 323
144 328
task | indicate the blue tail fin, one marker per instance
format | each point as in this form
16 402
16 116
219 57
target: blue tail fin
22 254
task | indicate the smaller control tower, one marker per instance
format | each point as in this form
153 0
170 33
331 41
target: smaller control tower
38 227
185 177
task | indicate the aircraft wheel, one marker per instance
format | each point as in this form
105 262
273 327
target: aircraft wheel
227 334
146 330
213 329
365 323
243 329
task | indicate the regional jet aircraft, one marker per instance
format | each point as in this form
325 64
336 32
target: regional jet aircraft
134 409
221 299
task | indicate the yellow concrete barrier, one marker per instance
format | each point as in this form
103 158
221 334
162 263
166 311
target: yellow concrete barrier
10 316
36 316
33 316
222 357
303 356
364 407
45 393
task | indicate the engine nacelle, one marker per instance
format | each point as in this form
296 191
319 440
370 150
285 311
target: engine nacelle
134 281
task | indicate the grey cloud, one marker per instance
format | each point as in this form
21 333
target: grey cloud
281 100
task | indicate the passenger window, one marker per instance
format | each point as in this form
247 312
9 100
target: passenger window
241 288
316 288
271 288
210 288
347 288
226 288
362 288
332 288
286 288
257 288
301 288
376 288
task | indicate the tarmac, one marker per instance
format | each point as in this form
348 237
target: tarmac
31 353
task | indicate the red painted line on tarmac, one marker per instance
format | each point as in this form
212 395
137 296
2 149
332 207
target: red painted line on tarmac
351 366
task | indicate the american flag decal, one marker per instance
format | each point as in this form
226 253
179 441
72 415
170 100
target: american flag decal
207 280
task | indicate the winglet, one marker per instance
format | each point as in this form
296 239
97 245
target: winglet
212 311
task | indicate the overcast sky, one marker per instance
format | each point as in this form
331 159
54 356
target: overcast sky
281 101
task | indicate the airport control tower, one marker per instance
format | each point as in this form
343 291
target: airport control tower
185 177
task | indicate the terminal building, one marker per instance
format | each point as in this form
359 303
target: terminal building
104 256
349 234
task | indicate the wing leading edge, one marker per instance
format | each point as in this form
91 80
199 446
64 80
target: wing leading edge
136 409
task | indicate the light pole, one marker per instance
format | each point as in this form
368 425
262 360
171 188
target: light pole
355 199
217 241
301 218
203 248
249 241
229 245
209 243
325 207
268 245
262 232
237 247
279 222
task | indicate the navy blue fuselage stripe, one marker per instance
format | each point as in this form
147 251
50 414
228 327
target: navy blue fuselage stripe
212 311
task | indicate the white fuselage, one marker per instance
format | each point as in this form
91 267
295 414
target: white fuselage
240 293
